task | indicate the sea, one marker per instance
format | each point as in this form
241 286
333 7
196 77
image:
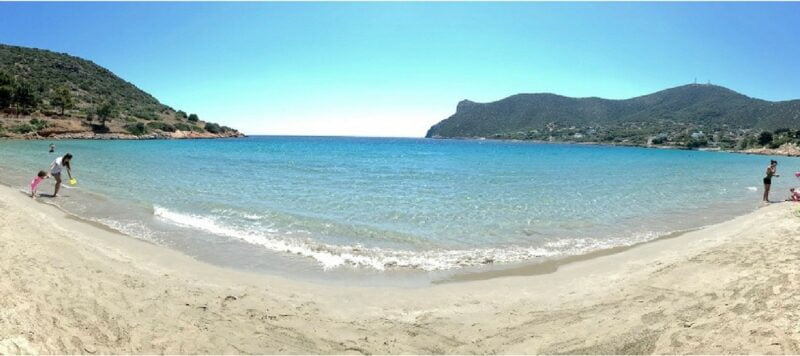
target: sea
392 211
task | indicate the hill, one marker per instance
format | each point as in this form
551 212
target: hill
690 115
44 93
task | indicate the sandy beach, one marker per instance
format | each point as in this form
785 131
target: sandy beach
73 287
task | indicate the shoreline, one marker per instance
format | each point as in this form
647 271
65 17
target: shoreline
124 136
546 265
751 151
408 277
192 136
76 288
551 265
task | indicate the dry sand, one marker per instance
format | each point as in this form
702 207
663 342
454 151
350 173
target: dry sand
71 287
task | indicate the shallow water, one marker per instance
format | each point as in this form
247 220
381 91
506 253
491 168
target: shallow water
333 208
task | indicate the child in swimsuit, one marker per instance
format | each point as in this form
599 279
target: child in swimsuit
36 181
794 195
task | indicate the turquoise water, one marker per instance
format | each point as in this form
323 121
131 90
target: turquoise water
328 204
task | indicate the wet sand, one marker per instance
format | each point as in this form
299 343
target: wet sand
544 267
72 287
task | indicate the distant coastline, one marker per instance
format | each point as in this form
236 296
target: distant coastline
694 116
787 149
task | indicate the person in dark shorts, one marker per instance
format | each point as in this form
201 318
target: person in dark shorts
772 171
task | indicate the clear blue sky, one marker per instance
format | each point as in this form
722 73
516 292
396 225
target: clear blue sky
394 69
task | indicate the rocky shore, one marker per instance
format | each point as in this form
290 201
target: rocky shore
125 136
787 149
65 128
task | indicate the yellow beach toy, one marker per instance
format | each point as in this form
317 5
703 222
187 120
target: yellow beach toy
73 181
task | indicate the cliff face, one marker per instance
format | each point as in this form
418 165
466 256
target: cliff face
48 94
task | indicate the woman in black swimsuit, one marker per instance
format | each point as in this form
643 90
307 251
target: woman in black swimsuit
772 171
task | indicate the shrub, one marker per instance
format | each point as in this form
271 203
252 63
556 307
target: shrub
193 118
745 143
181 115
146 115
183 127
727 143
100 128
161 126
196 128
23 128
697 142
213 128
137 129
39 124
779 142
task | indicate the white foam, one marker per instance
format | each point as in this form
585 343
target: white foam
752 189
131 228
242 214
332 256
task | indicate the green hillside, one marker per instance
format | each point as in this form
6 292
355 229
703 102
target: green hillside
692 115
41 89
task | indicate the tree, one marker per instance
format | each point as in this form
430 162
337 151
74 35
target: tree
106 111
193 118
6 90
62 98
764 138
24 97
180 115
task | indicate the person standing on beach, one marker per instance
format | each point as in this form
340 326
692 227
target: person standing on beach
772 171
56 167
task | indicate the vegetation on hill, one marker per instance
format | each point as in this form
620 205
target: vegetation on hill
695 115
53 88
